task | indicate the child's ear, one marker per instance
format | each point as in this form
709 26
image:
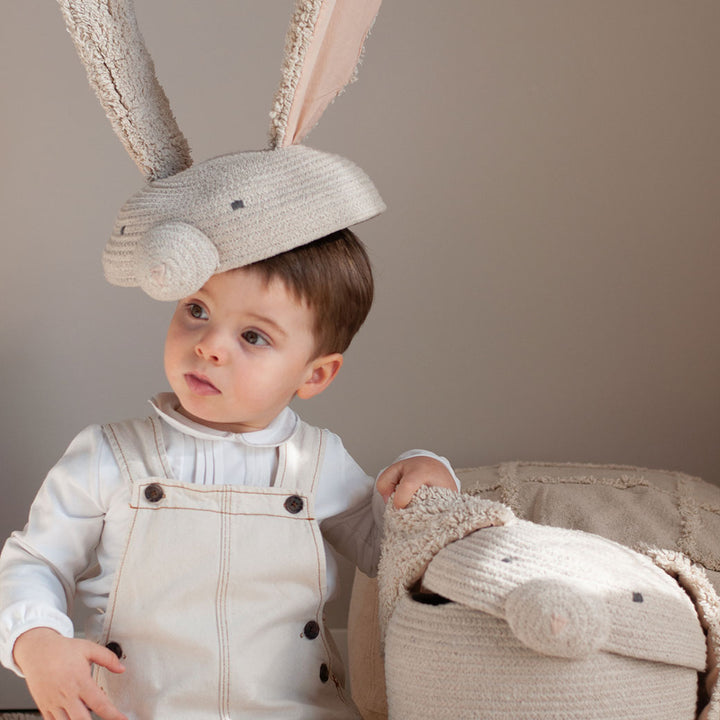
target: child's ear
324 370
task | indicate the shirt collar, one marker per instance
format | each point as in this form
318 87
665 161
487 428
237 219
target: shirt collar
281 429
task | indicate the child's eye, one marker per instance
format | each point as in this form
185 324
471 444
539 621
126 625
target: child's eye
252 337
197 311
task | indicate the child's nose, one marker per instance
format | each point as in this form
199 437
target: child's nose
211 348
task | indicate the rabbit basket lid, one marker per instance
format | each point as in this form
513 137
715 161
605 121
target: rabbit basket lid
567 593
188 223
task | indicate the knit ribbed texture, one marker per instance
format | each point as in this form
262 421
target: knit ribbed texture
649 617
517 620
693 579
452 663
246 206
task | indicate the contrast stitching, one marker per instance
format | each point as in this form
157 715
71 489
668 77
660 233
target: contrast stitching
318 461
160 447
116 583
116 445
221 615
284 516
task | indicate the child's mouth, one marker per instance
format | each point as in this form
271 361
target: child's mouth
200 385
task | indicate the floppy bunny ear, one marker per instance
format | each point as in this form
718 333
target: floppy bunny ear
122 73
322 50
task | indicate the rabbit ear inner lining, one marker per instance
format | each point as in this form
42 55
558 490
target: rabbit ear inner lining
323 48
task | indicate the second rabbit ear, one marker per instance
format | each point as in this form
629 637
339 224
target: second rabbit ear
322 50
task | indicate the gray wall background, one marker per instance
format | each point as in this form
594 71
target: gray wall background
546 271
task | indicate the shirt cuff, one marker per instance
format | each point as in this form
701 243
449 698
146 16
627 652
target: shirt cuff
21 618
426 453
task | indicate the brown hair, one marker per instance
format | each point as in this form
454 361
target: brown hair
333 276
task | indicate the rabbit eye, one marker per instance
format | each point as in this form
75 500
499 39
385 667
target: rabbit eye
637 597
237 204
122 230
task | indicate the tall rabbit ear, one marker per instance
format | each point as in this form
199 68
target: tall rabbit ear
322 50
122 74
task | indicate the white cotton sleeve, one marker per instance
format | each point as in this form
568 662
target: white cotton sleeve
39 565
344 507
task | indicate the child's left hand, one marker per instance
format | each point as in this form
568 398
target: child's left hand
405 477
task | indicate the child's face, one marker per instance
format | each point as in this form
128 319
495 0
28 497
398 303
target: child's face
238 350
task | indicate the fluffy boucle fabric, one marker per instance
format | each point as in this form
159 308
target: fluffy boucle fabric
694 581
122 74
414 535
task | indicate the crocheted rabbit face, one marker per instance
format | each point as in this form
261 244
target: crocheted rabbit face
188 223
231 211
538 623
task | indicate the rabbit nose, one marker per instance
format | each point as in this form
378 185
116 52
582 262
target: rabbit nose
174 259
555 618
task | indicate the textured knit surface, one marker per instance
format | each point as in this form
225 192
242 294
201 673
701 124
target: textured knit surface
413 536
633 506
647 615
519 620
230 211
453 663
189 223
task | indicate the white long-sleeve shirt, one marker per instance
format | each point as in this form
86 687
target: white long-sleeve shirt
71 545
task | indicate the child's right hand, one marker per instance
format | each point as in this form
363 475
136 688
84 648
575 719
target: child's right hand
58 674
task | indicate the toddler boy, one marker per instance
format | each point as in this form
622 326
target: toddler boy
201 536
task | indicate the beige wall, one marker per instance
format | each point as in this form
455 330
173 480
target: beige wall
546 271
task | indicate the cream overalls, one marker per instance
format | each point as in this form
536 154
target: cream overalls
217 605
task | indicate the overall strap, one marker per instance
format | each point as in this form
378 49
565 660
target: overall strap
300 459
139 449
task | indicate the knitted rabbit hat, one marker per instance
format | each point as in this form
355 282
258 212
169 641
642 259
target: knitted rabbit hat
191 221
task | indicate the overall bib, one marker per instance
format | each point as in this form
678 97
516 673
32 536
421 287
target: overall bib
217 604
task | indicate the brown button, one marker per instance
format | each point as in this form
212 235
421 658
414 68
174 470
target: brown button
324 673
154 493
294 504
311 630
115 648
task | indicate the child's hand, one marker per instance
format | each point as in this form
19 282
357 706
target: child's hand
58 674
405 477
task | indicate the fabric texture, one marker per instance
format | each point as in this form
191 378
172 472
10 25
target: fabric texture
631 505
72 544
122 74
575 624
80 516
323 48
189 223
257 644
175 233
634 506
439 516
